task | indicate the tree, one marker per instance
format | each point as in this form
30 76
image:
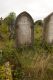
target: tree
1 20
10 21
10 18
39 22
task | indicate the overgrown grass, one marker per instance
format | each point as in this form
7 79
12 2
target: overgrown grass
31 63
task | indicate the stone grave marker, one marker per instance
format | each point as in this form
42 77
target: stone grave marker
24 29
48 29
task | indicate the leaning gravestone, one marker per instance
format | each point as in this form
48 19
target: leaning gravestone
48 29
24 29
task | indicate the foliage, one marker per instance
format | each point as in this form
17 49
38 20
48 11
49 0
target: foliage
10 18
28 63
39 22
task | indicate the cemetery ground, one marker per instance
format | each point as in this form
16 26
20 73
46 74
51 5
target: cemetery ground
27 63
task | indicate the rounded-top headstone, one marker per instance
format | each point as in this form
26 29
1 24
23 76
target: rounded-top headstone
48 29
24 27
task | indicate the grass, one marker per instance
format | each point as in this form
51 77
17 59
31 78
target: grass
35 63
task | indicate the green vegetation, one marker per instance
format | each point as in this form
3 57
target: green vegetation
28 63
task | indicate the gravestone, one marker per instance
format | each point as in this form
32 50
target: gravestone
48 29
24 28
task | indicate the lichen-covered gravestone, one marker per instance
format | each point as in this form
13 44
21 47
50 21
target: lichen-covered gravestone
24 28
48 29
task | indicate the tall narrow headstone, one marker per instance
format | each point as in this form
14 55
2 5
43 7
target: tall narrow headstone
24 29
48 29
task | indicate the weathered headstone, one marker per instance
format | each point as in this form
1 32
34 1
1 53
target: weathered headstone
48 29
24 29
